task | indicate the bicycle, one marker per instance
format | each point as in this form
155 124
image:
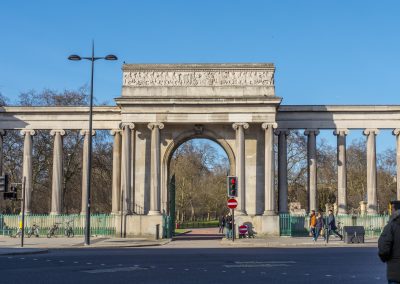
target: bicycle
52 231
17 234
34 230
69 232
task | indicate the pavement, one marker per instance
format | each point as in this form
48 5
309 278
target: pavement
195 238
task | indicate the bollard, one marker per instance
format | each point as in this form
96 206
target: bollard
157 231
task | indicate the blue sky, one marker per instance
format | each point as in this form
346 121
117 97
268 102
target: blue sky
325 52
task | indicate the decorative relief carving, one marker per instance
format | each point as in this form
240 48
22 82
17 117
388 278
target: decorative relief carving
197 78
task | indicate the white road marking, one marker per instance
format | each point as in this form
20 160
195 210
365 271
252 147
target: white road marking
35 259
378 278
22 258
116 269
61 261
170 268
328 275
242 271
9 257
48 260
353 276
88 263
223 271
76 262
256 265
186 269
284 273
307 274
263 262
102 264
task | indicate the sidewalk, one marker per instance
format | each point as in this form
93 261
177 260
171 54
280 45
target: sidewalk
9 245
291 242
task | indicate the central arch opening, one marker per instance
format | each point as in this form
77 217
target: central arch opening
199 167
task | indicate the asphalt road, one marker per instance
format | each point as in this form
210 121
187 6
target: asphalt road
195 265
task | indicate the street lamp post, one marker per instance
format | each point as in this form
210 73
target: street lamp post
75 57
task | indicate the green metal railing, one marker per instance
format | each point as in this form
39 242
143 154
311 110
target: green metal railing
298 225
100 224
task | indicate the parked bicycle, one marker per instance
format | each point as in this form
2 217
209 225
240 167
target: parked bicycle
53 230
34 230
69 232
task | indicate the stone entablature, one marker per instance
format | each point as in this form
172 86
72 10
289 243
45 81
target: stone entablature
198 75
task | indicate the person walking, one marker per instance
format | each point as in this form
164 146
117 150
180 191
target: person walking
332 226
319 225
389 245
313 223
221 224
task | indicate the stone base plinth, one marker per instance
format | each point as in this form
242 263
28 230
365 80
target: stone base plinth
139 225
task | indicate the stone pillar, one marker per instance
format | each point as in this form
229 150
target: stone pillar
371 170
312 168
27 167
241 166
2 134
116 173
397 133
85 173
341 170
126 167
58 172
155 168
282 170
363 208
269 169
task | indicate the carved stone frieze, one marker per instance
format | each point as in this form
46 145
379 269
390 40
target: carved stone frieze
217 78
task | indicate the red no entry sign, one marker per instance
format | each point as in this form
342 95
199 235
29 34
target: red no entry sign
232 203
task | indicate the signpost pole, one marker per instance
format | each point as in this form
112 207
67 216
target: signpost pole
233 224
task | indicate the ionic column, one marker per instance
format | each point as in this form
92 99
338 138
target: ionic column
126 167
397 133
341 170
116 172
85 163
2 134
241 166
269 169
371 170
155 168
282 170
27 167
57 180
312 168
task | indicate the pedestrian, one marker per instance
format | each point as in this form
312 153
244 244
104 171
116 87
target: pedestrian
228 225
319 225
389 245
332 226
313 223
221 224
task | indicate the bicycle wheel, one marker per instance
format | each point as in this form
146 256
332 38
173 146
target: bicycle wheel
72 233
49 234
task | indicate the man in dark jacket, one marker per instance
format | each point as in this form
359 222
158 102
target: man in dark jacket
332 226
389 244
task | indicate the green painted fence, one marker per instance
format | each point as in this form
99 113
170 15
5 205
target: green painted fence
298 225
100 224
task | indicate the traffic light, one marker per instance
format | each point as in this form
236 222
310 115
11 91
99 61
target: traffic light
4 183
12 194
232 186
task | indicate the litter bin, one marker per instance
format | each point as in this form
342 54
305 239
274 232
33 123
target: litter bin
354 234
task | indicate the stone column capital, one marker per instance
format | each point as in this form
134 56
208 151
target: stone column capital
55 131
123 125
153 125
267 125
84 132
237 125
114 132
341 132
396 131
3 132
31 132
282 131
309 131
369 131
